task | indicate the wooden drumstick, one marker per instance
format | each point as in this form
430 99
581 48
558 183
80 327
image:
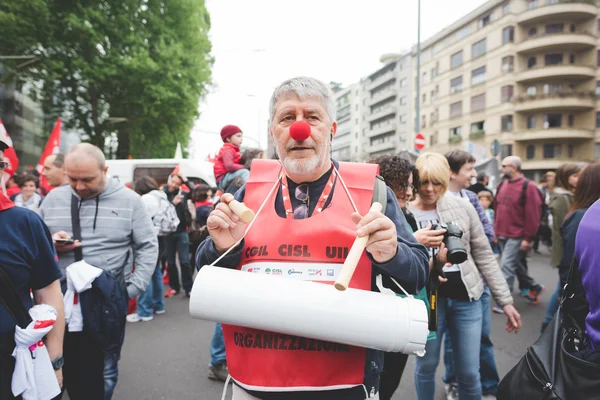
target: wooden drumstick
245 214
354 255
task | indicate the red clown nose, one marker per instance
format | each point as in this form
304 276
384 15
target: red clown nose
300 130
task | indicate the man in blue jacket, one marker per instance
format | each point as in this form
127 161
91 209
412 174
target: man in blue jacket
311 190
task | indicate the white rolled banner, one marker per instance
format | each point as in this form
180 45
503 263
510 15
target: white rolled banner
310 309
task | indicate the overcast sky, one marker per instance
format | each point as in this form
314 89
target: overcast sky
258 44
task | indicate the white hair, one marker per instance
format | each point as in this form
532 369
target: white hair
304 87
515 161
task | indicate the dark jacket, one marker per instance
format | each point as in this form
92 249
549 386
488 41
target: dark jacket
104 308
515 218
185 218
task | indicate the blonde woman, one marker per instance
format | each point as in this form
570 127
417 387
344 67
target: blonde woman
459 308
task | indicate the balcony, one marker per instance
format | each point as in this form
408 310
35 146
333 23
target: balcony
380 80
382 95
389 145
389 109
383 128
565 10
553 133
455 139
545 164
557 41
476 135
575 101
565 71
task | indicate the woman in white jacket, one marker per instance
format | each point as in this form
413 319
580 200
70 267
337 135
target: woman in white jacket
151 300
458 303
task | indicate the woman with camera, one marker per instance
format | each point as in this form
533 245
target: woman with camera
469 255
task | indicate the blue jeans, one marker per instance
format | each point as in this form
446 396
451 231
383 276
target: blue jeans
151 299
240 173
217 346
553 305
487 363
179 243
111 375
514 263
463 320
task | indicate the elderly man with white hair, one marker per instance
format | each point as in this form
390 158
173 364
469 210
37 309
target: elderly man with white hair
309 206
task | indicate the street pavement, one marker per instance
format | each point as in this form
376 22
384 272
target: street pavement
168 357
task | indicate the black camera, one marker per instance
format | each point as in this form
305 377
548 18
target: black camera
457 253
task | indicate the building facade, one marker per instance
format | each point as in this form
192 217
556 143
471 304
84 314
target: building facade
387 124
521 72
346 144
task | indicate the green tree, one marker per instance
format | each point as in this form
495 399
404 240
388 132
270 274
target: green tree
143 63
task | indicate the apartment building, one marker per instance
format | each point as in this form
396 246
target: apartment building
387 123
346 145
523 72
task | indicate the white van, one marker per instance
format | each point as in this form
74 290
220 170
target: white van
128 171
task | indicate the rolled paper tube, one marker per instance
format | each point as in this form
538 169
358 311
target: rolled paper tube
309 310
245 214
354 255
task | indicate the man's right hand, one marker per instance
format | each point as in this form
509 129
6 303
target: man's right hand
225 228
63 247
429 238
177 199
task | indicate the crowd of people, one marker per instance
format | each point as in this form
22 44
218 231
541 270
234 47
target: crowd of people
102 244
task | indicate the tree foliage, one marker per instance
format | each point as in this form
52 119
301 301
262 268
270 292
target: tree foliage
130 69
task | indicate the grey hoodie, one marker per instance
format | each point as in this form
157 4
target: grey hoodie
116 231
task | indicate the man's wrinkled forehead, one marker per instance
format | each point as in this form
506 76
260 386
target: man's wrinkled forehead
292 102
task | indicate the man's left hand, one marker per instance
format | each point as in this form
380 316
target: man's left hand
383 239
526 246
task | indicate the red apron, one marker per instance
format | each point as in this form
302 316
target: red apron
307 249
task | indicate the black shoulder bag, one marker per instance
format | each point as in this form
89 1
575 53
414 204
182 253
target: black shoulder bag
551 369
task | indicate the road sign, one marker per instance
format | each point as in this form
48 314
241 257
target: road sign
495 148
419 141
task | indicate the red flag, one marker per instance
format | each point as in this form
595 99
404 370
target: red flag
52 147
9 154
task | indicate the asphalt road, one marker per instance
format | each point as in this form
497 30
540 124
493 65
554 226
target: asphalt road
168 357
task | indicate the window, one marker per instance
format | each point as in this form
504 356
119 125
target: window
403 82
456 84
552 150
572 28
456 109
423 121
532 32
597 88
478 102
598 58
433 73
506 150
571 120
552 88
508 35
554 28
530 151
507 93
433 139
505 9
531 62
508 64
433 95
597 151
456 131
425 77
552 121
572 59
598 27
478 49
424 98
531 91
532 4
478 76
463 33
484 21
477 127
571 151
531 122
554 59
403 100
597 119
456 59
506 122
403 119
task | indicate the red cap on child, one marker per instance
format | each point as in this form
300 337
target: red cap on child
229 130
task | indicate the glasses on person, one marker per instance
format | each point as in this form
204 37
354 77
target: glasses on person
301 194
3 165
